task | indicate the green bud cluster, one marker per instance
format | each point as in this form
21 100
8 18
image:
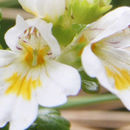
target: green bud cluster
87 11
78 14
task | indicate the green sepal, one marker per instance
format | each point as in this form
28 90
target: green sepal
71 55
89 85
65 34
50 119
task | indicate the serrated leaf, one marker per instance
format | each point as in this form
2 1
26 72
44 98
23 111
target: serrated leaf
50 119
89 85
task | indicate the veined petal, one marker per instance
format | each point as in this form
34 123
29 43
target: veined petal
12 35
19 100
46 32
24 114
22 82
111 66
113 22
119 40
22 27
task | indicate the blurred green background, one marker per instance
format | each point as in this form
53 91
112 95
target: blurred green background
5 24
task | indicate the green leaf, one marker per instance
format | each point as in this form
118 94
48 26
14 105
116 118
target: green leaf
0 15
5 128
5 24
89 85
50 119
9 3
117 3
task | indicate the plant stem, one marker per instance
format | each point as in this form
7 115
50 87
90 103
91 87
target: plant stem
83 101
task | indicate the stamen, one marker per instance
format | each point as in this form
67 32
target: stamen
34 47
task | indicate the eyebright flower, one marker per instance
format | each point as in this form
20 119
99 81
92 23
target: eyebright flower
107 57
30 74
47 9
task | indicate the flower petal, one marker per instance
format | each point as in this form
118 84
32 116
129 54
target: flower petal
111 23
125 97
29 6
94 67
50 8
45 30
24 114
111 66
59 81
119 40
6 106
66 77
6 57
50 95
12 35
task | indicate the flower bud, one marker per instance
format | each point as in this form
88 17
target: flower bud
46 9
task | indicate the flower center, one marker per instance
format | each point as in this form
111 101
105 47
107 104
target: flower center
34 47
34 57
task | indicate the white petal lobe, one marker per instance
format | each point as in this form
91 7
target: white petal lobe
12 35
111 23
24 114
6 57
65 77
94 67
50 9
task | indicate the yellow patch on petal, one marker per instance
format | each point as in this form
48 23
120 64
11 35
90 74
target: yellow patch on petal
30 11
21 86
121 77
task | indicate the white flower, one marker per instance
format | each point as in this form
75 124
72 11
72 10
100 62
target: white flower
30 74
47 9
107 57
